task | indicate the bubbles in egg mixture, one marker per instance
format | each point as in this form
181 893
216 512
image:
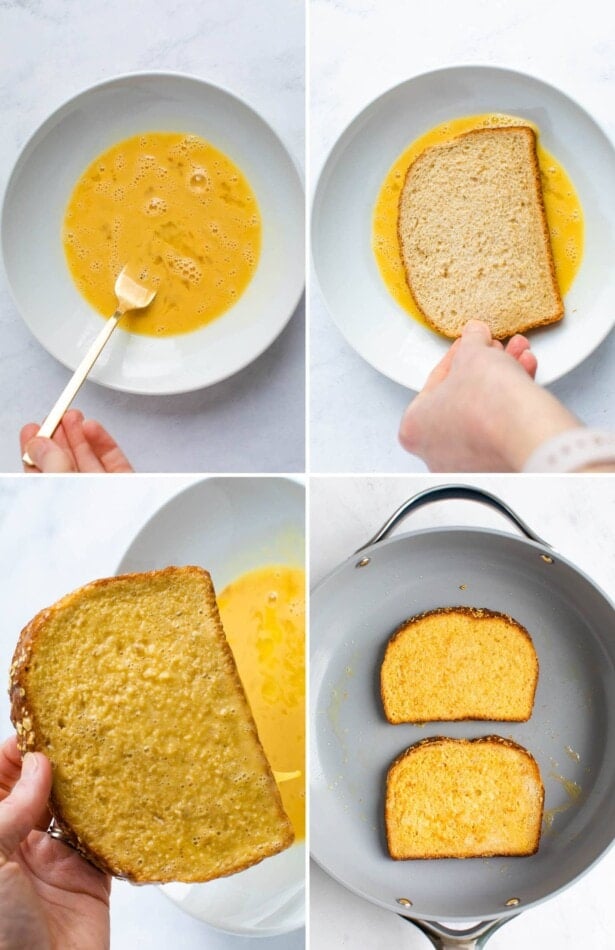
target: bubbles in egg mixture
155 206
177 208
185 267
199 181
571 249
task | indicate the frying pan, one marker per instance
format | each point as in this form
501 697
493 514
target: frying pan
571 732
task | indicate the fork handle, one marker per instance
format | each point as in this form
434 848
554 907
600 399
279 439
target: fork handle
76 381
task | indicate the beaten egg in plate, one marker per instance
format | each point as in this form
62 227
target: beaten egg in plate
43 181
263 615
562 206
180 213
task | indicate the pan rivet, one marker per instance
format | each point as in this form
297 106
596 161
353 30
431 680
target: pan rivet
547 559
513 901
404 902
363 562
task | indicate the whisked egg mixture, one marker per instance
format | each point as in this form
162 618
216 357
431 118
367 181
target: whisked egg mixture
180 213
263 615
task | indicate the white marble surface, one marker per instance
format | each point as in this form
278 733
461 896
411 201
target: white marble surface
575 516
359 49
50 50
57 533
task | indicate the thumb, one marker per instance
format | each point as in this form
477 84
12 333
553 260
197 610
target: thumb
22 808
47 456
476 333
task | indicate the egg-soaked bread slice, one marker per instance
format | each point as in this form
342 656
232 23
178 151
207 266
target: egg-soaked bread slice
129 686
459 663
460 798
473 234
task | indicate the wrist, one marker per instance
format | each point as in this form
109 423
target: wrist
528 422
575 450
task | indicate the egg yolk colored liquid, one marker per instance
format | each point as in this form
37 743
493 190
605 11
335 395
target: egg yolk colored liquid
263 615
182 216
562 206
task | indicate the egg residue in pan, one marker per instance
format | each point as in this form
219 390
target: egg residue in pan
562 206
263 615
180 213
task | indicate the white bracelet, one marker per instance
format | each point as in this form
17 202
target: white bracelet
572 450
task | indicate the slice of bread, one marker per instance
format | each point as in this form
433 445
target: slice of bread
459 663
129 686
460 798
473 234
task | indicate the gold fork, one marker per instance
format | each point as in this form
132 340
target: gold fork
131 295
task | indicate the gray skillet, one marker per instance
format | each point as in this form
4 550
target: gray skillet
571 732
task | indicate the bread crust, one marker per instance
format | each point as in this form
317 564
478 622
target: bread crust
29 732
522 327
476 613
490 740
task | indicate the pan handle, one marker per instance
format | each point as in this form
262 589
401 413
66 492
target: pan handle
474 938
443 492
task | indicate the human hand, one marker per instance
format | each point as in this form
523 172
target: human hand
78 445
50 898
480 409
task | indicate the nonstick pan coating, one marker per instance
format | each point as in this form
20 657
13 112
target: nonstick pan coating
571 732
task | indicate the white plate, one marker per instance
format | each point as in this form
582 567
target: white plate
36 198
372 322
229 526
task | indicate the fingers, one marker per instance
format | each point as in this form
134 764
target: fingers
10 765
106 448
517 345
529 363
94 450
476 333
10 770
59 437
519 348
85 457
28 432
21 810
48 456
77 446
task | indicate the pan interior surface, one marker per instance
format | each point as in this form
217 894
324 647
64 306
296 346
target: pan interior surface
571 732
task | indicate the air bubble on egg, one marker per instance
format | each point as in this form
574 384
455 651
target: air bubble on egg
156 206
194 214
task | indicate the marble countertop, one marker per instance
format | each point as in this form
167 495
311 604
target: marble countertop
569 513
359 49
51 50
43 524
